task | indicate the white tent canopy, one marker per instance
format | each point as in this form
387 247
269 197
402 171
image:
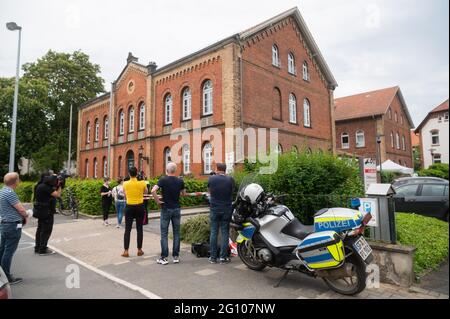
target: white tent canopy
390 166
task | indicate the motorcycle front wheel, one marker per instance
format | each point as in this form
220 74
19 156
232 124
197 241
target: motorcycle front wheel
246 253
353 284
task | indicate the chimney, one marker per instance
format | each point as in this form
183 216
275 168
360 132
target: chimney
151 67
131 58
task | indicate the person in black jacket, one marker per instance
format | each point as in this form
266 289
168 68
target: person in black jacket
46 193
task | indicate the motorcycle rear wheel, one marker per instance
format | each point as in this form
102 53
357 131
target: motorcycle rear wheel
357 281
246 255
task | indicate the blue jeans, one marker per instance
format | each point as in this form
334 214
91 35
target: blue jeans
120 207
10 237
220 217
168 215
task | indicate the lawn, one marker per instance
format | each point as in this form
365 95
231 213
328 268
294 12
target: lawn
429 235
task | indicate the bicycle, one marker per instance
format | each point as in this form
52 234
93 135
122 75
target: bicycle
72 207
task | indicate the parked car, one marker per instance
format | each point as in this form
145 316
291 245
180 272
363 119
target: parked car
5 289
424 198
418 180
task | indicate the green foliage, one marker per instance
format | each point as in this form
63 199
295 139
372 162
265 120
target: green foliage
417 158
24 191
436 170
430 237
389 177
312 181
195 229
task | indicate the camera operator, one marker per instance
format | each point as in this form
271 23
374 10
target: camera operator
46 194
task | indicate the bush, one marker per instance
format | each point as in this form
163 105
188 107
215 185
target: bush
196 229
313 181
436 170
389 177
24 191
430 237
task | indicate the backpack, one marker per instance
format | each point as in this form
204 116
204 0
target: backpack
201 250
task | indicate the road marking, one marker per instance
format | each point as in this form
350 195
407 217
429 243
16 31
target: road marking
206 272
147 257
121 263
146 262
102 273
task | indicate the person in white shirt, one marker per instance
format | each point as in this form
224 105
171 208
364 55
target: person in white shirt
119 201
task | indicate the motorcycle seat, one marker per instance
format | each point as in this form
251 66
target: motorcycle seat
296 229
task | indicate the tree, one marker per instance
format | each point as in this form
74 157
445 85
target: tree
71 80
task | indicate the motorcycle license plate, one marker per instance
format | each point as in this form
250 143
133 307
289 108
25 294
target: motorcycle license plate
362 248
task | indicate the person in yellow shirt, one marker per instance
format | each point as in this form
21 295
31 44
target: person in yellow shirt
134 194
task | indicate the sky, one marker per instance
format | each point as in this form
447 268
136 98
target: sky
368 44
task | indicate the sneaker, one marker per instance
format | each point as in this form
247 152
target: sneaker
176 260
117 226
212 260
14 281
162 261
225 260
47 252
106 223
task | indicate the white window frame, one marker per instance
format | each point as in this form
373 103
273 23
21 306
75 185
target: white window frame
142 116
105 167
121 122
131 120
168 108
207 158
390 114
279 149
306 113
436 158
207 94
396 117
186 159
392 140
97 130
95 167
275 56
292 109
291 63
187 104
403 143
401 119
305 69
446 116
87 168
397 140
167 157
433 135
88 132
360 134
345 146
106 128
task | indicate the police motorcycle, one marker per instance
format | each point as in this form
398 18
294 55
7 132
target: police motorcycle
333 249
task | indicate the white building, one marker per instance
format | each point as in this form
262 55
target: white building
434 136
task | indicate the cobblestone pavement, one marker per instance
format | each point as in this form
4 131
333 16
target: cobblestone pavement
99 247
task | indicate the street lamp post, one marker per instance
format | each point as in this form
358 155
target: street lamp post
379 156
12 26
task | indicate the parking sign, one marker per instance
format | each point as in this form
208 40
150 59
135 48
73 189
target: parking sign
370 205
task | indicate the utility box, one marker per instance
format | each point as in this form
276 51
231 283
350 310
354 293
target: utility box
385 229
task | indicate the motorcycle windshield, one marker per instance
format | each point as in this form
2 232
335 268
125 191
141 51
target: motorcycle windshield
247 180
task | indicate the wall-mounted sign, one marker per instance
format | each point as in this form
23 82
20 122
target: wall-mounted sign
370 205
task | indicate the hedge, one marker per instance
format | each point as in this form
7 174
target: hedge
24 191
436 170
430 237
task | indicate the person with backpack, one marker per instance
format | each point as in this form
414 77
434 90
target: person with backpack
119 201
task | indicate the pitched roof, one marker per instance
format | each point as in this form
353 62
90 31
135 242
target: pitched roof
440 108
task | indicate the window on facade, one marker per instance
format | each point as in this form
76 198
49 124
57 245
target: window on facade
131 120
142 116
207 158
105 128
345 141
403 143
96 130
88 132
121 122
207 98
392 140
291 63
305 71
401 119
360 139
437 159
186 160
187 104
276 104
435 137
95 168
390 114
167 157
294 149
292 109
105 167
396 117
275 55
279 149
446 117
168 109
397 140
306 113
86 165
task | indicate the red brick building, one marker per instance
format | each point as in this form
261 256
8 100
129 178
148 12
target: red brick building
361 118
270 76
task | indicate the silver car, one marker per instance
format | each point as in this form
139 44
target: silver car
5 289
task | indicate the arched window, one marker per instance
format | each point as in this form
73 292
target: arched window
142 116
276 104
279 149
306 113
131 119
291 63
401 119
396 117
105 167
207 98
360 139
187 104
95 168
305 71
345 141
130 160
207 158
292 109
275 55
294 149
168 109
121 122
88 132
403 143
105 128
97 130
390 113
397 140
186 159
167 157
392 139
86 165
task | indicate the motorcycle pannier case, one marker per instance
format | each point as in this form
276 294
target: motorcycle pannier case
322 250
